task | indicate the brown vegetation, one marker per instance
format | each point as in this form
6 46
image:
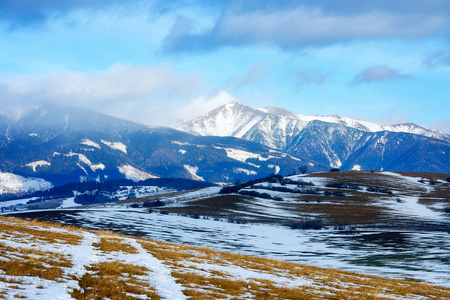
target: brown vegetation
203 273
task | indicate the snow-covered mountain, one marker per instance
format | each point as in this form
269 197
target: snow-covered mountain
276 125
332 141
15 184
65 144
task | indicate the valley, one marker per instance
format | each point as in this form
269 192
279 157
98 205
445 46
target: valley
323 191
382 223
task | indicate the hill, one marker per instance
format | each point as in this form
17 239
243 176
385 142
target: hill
387 224
48 261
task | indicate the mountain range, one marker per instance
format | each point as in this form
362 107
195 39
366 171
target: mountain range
330 141
62 144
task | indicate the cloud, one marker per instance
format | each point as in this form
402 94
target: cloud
443 126
311 76
254 74
22 13
301 27
438 59
141 93
393 120
202 105
378 74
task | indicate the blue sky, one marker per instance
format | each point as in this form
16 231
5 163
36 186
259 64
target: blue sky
156 61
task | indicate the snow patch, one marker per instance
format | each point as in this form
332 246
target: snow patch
181 143
82 158
134 174
248 172
90 143
116 145
193 171
39 163
242 155
356 168
410 206
14 184
277 168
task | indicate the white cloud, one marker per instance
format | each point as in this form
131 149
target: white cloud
145 94
202 105
393 120
442 125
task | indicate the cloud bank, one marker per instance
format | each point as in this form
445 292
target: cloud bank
300 27
151 95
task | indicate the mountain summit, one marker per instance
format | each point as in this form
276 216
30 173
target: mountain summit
332 141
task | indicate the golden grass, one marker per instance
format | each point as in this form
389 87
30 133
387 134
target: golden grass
121 280
109 244
327 281
19 267
113 280
11 226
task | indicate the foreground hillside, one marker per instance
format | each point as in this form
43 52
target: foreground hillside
48 261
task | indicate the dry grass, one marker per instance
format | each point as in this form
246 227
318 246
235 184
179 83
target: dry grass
357 207
336 284
114 280
110 244
19 227
20 267
203 273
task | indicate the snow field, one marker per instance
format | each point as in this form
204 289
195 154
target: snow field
322 248
172 271
14 184
134 174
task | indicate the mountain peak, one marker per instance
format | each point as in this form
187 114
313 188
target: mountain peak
274 127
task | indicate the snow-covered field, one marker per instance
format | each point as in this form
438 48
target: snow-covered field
418 255
404 254
43 261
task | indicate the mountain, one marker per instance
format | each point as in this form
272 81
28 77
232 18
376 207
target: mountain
330 141
64 144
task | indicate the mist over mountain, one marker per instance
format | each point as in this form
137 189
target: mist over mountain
65 144
331 141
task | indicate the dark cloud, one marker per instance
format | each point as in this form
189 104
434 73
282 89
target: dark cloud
438 59
378 74
298 24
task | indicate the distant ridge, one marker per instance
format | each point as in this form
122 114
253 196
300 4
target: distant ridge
63 144
332 141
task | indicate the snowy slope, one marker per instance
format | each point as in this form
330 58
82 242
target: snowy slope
275 125
46 261
328 140
14 184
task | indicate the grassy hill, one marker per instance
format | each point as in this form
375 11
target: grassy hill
41 260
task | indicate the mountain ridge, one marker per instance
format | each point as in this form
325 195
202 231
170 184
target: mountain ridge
332 141
64 144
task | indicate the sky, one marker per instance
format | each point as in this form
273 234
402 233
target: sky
156 61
